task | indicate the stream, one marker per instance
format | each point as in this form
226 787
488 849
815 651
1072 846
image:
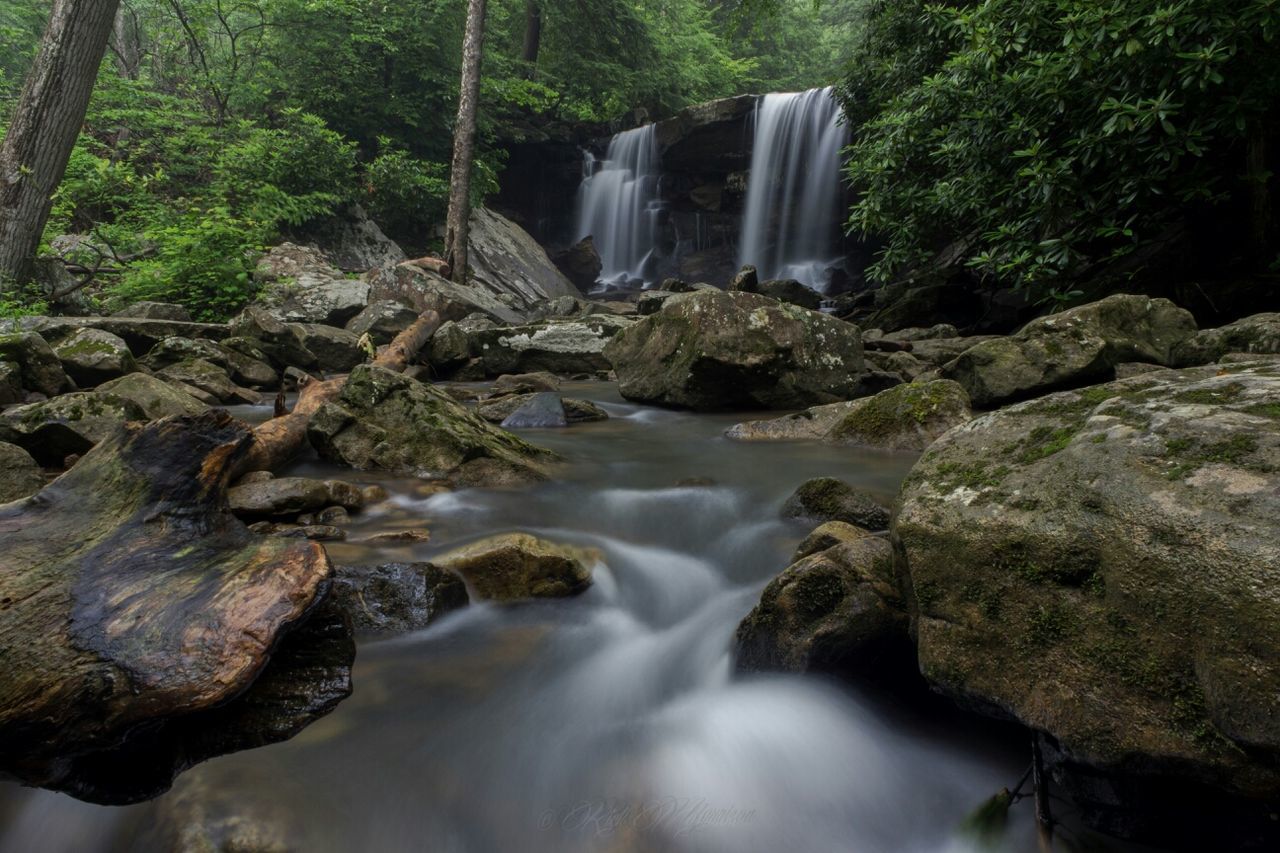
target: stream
606 722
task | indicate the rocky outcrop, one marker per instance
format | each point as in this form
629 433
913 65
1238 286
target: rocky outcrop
829 499
1100 565
516 566
395 598
423 290
1073 348
388 421
906 417
717 350
92 356
1259 334
299 285
20 475
353 242
508 263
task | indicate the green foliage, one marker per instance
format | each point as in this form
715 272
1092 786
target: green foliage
1051 137
403 193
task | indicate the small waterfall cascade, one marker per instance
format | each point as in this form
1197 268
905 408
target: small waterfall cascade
618 205
791 225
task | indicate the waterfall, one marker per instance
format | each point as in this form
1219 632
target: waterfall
791 225
618 205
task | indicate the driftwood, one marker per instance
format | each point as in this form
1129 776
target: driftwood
280 439
430 263
130 599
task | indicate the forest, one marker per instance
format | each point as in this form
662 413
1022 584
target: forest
584 426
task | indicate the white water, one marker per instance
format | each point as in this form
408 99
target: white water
793 195
618 205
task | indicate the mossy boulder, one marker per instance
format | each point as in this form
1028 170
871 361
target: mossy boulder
1101 565
336 350
790 290
51 430
389 421
905 417
517 566
39 366
1074 348
20 475
156 398
829 499
92 356
713 350
209 378
834 610
1259 334
249 369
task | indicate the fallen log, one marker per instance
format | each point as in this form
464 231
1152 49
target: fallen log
280 439
130 597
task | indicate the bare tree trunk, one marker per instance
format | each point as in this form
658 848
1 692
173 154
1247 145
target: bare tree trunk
464 141
532 37
125 43
33 157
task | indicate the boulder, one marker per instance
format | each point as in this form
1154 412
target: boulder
258 329
936 352
140 334
38 365
790 290
575 411
1100 565
246 368
423 290
515 566
10 383
1253 335
20 475
299 285
747 280
54 429
156 398
932 333
279 497
829 499
385 420
553 346
544 409
209 378
836 610
354 242
580 264
382 320
828 535
92 356
155 311
717 350
335 350
450 347
526 383
395 598
1076 347
508 263
651 301
905 417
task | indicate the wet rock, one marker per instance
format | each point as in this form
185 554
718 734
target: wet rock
580 263
92 356
828 535
336 350
1120 538
156 398
255 477
201 816
382 321
209 378
374 495
53 429
301 286
1259 334
747 280
395 598
155 311
554 346
246 368
345 494
906 417
540 410
1075 347
575 411
829 499
279 497
385 420
790 290
313 532
411 536
39 366
515 566
836 610
715 350
526 383
20 475
336 516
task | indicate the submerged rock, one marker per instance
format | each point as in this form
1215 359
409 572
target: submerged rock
92 356
1076 347
575 411
829 499
20 475
515 566
395 598
388 421
715 350
1100 565
541 410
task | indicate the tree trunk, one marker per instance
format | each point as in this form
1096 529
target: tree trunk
125 43
532 37
46 121
464 140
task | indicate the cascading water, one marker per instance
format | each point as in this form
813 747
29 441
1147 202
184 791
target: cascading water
791 224
618 205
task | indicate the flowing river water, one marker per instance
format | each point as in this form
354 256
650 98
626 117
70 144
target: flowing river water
607 722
